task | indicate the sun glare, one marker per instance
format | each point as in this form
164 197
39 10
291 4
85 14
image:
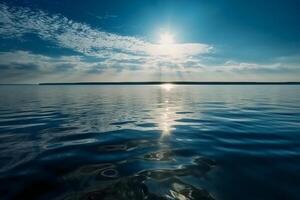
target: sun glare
167 86
166 39
166 46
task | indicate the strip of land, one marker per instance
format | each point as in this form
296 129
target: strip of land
175 83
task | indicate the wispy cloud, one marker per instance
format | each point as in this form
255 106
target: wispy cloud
105 17
66 33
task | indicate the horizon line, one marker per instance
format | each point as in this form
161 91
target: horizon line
178 83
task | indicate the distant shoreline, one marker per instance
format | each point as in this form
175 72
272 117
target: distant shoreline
174 82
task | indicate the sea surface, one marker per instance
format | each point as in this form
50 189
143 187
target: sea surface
154 142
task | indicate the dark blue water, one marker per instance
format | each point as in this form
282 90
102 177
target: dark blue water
150 142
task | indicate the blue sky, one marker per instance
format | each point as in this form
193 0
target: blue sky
118 40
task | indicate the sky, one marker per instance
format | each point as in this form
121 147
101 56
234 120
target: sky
149 40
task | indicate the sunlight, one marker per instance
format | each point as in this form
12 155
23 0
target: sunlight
171 50
167 117
167 86
166 46
166 121
166 39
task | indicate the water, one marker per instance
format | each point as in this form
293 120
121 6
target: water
150 142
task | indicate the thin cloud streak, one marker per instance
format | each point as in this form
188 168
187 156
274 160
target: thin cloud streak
16 22
13 61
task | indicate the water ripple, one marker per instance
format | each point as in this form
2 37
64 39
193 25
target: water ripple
190 142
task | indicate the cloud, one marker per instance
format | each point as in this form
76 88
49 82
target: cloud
108 54
24 66
27 67
270 68
106 16
15 22
25 61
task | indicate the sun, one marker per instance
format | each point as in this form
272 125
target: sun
166 39
166 47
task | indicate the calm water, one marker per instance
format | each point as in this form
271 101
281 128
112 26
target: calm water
150 142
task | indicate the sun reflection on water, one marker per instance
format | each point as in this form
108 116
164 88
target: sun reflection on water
167 86
167 117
